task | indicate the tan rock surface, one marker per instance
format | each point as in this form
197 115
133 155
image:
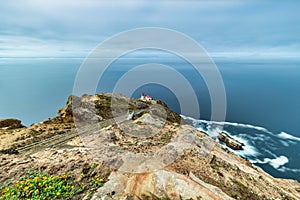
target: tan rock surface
172 159
160 183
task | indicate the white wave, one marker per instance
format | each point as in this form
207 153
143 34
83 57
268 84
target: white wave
284 135
271 153
213 131
248 149
284 169
259 137
293 142
286 144
194 121
276 162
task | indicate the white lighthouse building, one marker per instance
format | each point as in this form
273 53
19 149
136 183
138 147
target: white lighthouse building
145 97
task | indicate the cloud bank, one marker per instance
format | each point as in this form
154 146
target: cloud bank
248 29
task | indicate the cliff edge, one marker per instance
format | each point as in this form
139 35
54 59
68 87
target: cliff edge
140 149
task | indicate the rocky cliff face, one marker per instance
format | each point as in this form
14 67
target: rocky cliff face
143 150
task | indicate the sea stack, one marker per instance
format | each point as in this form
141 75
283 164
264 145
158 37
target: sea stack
230 142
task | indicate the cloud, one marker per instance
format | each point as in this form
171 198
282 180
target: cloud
18 46
231 29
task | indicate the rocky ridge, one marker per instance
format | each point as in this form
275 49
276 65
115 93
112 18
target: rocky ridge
149 153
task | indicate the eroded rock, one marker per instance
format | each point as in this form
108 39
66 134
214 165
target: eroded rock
11 124
160 183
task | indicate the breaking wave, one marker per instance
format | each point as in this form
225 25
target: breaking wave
288 136
278 154
275 162
227 123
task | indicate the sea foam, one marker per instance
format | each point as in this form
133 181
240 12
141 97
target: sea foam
194 121
260 148
284 135
275 162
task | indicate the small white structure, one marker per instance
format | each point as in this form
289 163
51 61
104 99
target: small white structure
146 97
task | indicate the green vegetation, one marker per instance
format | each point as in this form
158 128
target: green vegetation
138 122
234 194
36 185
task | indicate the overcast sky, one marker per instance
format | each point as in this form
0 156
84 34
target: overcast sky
72 28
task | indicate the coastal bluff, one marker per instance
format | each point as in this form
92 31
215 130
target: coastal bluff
109 146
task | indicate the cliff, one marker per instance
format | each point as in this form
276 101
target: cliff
141 150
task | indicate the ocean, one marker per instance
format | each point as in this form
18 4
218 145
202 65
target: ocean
263 100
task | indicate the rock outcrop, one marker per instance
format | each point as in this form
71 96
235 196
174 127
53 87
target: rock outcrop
160 183
10 124
230 142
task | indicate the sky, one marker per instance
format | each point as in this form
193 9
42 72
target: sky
73 28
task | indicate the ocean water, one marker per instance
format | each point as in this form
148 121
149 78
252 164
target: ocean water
33 90
263 100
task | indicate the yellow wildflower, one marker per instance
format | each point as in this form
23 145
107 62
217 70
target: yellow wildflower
6 189
36 179
64 176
